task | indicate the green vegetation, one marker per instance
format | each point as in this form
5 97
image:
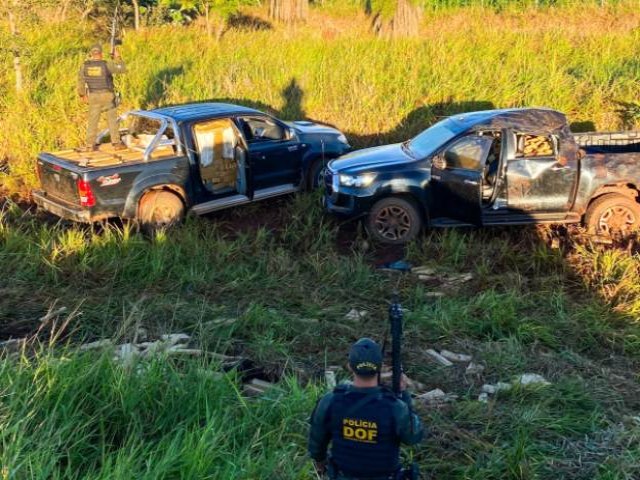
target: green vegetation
287 275
572 59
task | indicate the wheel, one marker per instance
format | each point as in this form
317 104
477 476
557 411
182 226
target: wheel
315 175
613 214
394 221
159 210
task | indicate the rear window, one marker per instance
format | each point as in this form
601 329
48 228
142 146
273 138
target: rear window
528 146
141 130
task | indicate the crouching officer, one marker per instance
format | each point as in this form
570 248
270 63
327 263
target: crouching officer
364 422
95 86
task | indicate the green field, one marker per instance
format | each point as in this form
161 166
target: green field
539 300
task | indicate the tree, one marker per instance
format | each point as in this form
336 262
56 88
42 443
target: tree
216 15
289 11
395 18
13 10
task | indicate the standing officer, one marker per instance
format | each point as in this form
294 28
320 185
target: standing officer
364 422
95 86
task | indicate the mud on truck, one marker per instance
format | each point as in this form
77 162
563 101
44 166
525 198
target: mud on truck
496 167
199 157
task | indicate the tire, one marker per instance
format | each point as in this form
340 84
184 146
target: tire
612 214
160 210
315 175
393 221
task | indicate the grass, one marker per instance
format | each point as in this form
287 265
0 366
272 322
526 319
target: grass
287 275
580 59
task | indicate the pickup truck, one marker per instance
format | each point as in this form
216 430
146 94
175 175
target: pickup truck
198 157
495 167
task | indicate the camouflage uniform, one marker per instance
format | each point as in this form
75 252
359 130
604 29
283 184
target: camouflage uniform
95 81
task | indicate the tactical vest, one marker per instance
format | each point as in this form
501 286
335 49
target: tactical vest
97 76
363 439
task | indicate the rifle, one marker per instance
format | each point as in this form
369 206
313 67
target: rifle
115 41
395 319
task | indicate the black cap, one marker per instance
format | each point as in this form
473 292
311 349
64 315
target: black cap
365 357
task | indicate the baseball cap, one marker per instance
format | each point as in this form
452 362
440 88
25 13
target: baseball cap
96 48
365 357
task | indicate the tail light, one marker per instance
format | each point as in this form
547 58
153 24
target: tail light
86 194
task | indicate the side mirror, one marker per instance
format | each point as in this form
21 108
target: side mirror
290 134
439 162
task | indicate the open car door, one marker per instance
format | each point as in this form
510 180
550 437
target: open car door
456 179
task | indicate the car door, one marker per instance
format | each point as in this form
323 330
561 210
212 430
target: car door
221 158
456 179
274 153
539 177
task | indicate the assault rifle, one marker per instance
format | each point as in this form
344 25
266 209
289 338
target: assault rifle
395 320
115 41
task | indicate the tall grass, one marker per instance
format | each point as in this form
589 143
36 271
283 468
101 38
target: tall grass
83 416
283 276
579 59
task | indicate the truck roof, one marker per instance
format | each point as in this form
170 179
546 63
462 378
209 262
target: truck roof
202 110
532 120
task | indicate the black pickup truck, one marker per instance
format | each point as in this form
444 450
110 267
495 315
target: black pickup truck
495 167
201 157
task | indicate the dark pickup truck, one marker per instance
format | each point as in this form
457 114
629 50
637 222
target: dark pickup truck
201 157
496 167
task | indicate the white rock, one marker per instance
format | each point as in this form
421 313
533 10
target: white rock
104 343
474 369
175 338
483 397
455 357
435 395
498 387
532 379
426 278
355 314
423 270
126 353
330 379
439 358
434 294
489 389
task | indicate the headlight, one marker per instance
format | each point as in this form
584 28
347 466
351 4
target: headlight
360 181
343 139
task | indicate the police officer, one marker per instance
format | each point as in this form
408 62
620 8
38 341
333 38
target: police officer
364 422
95 87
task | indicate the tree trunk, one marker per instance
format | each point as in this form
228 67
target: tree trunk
136 14
289 11
405 22
13 28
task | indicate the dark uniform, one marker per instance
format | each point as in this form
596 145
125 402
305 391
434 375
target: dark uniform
365 427
95 81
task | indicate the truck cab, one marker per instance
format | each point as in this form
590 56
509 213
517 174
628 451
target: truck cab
497 167
199 157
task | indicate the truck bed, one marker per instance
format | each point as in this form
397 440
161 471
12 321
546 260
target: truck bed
608 142
106 156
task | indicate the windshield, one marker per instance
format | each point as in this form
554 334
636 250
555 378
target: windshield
426 143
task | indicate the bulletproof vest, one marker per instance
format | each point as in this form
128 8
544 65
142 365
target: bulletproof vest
97 76
364 442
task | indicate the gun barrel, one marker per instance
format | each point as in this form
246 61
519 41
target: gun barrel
395 318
